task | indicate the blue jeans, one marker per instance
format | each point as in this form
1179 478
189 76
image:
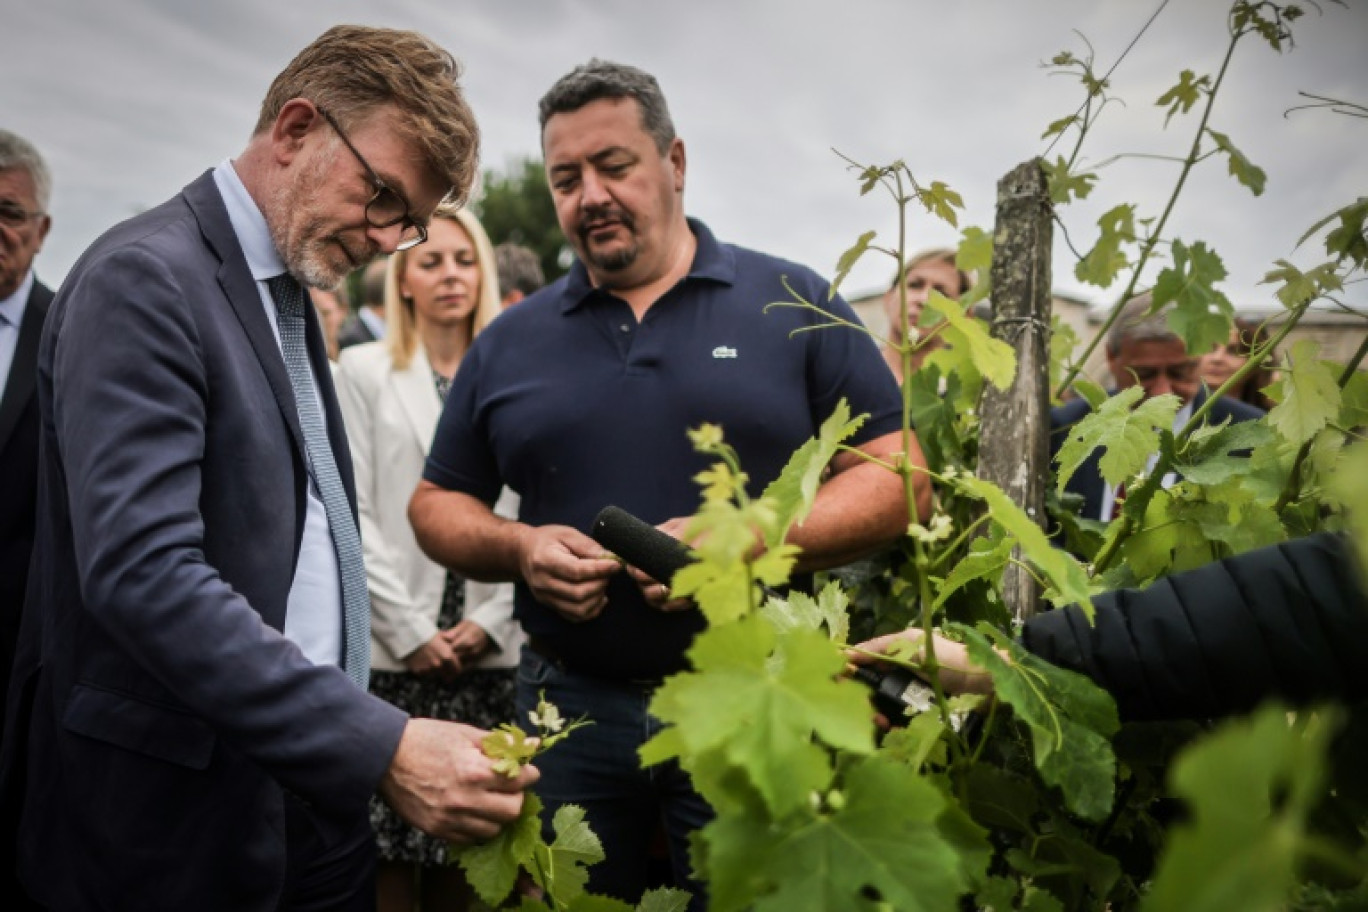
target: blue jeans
598 769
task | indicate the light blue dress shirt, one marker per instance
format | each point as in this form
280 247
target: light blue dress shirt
313 615
11 318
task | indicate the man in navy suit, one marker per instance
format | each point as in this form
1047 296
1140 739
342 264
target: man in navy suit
195 735
1141 351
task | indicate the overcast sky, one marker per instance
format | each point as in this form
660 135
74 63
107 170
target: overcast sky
130 100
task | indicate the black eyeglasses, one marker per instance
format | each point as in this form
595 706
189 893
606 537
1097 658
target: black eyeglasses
16 216
386 208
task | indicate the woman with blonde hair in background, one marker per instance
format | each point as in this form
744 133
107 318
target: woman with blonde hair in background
925 272
442 647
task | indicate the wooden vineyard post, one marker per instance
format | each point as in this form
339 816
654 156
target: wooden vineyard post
1014 435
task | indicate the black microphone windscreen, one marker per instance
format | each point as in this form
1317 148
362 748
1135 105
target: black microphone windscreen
640 544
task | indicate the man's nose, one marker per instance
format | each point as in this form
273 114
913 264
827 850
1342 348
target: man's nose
387 239
593 192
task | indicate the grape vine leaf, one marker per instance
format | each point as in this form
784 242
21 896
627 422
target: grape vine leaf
1207 458
1350 238
1105 260
1128 436
1250 787
1354 401
1064 185
663 899
848 260
1201 314
1244 171
941 201
1349 487
800 610
761 715
1071 719
1061 569
1308 394
882 845
1183 95
986 558
492 867
562 868
994 358
794 490
975 251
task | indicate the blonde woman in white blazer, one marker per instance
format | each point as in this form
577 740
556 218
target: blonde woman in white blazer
441 647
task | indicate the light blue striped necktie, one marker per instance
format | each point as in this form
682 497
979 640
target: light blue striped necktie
289 299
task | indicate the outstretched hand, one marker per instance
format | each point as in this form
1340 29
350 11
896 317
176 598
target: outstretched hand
957 674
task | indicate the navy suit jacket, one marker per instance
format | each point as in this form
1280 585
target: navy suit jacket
166 713
1087 480
18 476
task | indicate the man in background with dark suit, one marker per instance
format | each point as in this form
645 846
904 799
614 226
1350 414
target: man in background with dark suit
194 658
25 192
368 323
1141 351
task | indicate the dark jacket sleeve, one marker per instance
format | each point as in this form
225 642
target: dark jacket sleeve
1289 620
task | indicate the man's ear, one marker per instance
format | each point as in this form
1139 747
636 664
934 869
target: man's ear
677 163
297 118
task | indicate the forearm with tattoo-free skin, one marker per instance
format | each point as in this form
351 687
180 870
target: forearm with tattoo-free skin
861 506
564 568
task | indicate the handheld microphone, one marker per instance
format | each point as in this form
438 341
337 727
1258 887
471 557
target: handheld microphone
640 544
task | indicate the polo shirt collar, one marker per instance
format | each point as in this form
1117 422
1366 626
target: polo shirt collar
712 263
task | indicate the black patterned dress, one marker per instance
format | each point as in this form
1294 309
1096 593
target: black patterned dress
481 697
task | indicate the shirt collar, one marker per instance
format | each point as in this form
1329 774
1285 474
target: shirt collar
248 224
12 308
712 262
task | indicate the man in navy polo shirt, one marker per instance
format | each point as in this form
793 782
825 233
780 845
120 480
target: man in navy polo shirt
581 396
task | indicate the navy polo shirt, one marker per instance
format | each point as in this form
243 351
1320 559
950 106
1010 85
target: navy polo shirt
573 404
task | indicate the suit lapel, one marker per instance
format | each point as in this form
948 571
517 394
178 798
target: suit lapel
23 375
418 399
235 279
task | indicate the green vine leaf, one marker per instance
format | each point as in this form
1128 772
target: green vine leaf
1244 171
994 358
1308 394
492 867
800 610
1065 186
1250 787
1129 437
1071 719
663 900
761 714
1061 569
1201 314
794 490
883 837
975 251
562 868
941 201
848 260
986 558
1208 457
1105 260
1349 488
1183 95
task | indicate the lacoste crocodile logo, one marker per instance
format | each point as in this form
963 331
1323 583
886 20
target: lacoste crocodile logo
723 351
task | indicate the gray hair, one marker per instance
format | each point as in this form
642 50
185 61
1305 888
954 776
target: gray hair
603 79
18 154
519 268
1136 324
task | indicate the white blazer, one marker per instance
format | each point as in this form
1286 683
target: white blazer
391 416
